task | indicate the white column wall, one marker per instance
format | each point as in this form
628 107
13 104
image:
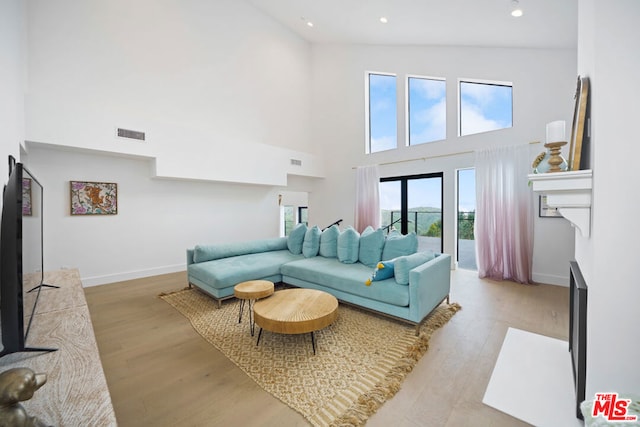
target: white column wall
543 88
608 56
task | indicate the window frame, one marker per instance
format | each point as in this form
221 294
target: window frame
483 82
367 109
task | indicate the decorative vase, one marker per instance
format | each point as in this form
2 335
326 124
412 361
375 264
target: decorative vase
543 166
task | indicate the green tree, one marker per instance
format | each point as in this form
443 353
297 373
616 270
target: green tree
435 230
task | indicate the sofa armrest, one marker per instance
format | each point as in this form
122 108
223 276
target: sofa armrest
429 284
189 256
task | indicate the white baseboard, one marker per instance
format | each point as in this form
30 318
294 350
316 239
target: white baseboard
550 279
119 277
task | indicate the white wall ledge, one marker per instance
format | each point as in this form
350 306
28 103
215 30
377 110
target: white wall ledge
570 193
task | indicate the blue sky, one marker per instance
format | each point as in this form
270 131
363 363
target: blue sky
483 107
427 110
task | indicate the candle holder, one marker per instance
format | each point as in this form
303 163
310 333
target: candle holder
555 159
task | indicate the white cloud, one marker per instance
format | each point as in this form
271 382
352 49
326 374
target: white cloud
430 126
473 121
383 143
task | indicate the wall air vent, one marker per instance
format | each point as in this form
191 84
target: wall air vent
131 134
296 162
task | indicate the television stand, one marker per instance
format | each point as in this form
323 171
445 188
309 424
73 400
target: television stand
43 285
27 350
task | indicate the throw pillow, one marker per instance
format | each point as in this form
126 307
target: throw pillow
371 244
404 264
384 270
329 242
348 245
311 243
296 238
398 245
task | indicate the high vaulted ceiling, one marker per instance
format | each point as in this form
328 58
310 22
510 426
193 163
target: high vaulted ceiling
545 23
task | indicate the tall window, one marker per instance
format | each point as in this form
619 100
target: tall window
485 107
427 110
414 203
466 219
382 113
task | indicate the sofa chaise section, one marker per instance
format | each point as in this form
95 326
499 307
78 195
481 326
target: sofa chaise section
216 269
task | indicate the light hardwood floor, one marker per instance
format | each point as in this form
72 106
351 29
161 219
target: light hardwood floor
160 372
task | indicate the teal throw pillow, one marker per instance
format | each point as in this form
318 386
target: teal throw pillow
311 243
404 264
348 245
384 270
398 245
371 244
296 238
329 242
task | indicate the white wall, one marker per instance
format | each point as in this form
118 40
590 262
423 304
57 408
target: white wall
12 81
608 56
543 89
157 219
221 90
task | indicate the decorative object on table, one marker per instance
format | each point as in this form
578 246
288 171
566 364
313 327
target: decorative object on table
18 385
366 357
27 208
547 212
94 198
555 160
551 160
579 121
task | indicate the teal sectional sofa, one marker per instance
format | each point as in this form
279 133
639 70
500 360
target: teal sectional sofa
336 262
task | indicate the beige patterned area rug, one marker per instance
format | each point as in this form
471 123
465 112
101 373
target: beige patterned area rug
361 359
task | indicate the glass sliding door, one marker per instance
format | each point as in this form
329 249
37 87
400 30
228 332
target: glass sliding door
466 253
424 208
414 203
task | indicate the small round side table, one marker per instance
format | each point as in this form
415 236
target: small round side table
251 291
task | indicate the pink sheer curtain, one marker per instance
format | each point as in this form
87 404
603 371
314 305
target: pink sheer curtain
504 218
367 197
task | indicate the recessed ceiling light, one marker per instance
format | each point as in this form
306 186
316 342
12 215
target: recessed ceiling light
309 24
516 10
306 21
384 19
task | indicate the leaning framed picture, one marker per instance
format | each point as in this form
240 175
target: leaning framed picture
546 211
93 198
578 126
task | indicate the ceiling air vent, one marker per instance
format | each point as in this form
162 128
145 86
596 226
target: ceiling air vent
131 134
296 162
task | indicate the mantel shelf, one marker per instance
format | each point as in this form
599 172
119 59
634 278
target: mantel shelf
570 193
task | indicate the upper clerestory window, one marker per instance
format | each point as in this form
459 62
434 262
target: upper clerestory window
426 110
382 123
484 106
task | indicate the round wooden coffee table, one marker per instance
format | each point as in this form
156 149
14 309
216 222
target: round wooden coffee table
251 291
296 311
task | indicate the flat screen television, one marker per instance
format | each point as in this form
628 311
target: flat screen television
21 249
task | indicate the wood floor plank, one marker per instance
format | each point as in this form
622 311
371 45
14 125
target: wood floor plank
160 372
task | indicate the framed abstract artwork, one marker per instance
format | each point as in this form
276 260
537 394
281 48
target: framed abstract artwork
94 198
27 206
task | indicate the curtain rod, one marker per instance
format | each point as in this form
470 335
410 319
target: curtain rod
459 153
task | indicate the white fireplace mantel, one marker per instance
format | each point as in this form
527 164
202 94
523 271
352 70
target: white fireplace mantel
570 193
